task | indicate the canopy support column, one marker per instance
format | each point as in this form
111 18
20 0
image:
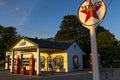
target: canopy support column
38 62
12 62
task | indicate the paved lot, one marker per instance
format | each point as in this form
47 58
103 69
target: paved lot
83 75
107 74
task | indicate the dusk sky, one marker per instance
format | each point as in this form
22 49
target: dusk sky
42 18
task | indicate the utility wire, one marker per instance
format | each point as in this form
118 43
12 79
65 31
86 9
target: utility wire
109 3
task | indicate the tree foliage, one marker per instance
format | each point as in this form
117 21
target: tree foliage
72 29
108 45
8 36
105 42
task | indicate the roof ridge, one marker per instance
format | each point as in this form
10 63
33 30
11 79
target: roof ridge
50 44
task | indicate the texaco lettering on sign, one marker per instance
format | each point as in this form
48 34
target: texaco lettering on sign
91 12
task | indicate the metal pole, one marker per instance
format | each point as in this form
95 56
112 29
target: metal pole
96 75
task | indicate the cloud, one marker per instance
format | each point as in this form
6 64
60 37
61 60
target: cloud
17 11
18 25
39 34
14 8
21 11
42 33
26 31
3 3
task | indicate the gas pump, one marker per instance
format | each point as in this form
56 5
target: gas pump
32 65
90 63
91 67
17 65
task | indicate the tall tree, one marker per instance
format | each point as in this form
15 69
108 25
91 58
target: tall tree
107 46
72 29
8 36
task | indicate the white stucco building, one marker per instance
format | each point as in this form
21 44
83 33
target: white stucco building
63 57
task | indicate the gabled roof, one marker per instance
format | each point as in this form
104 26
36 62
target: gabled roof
50 44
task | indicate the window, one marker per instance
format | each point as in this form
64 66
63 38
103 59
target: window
22 44
76 62
49 62
74 46
42 61
25 61
59 62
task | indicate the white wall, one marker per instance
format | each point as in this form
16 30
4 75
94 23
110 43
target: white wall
28 55
74 49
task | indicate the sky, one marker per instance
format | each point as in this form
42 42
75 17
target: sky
42 18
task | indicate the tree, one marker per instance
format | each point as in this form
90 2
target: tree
8 36
107 46
1 39
118 50
119 44
72 29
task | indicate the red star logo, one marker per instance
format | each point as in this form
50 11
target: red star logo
91 11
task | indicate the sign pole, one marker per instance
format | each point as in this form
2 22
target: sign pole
95 63
91 14
94 50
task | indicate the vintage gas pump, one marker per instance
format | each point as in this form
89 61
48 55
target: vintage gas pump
32 65
22 70
17 65
23 66
90 63
91 66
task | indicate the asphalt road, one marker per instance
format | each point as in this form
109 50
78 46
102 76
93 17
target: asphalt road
81 75
107 74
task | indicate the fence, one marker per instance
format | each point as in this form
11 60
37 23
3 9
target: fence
110 74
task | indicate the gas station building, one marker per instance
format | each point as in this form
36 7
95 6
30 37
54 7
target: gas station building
37 55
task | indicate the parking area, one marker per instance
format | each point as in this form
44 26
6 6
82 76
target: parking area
6 75
106 74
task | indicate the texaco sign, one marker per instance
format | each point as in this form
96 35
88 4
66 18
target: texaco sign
91 12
